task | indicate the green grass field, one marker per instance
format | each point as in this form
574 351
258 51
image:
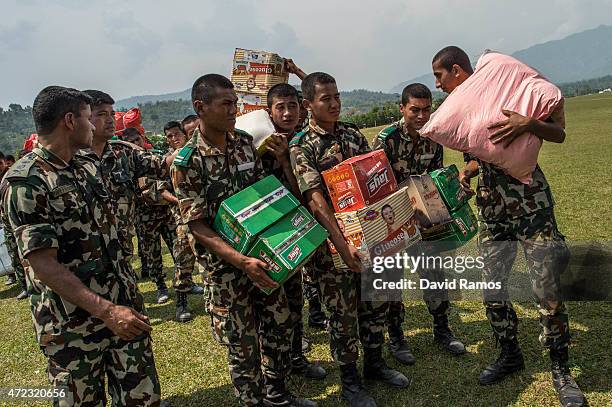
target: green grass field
193 370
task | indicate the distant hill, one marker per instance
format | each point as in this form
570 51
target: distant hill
141 100
580 56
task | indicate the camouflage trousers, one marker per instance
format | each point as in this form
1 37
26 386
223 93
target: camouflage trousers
150 232
82 364
255 328
547 256
310 286
11 248
184 260
350 319
295 297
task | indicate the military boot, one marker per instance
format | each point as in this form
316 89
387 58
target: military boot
302 366
352 388
509 361
196 289
277 395
316 316
375 368
10 280
162 292
444 336
398 346
182 311
22 295
568 391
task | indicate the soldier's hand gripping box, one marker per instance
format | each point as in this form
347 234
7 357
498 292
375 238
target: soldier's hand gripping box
447 181
457 231
382 229
244 215
288 244
253 74
428 205
360 181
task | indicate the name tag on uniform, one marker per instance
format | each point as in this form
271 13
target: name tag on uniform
246 166
427 156
62 189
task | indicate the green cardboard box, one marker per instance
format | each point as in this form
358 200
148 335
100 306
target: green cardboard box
447 181
243 216
459 230
288 244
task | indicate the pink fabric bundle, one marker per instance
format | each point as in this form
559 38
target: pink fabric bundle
499 82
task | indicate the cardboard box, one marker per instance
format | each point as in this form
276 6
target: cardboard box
253 74
243 216
459 230
447 181
428 205
360 181
369 230
288 244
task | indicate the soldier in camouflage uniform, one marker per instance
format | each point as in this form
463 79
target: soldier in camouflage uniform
324 143
284 110
86 307
510 211
11 244
121 164
184 260
216 163
411 154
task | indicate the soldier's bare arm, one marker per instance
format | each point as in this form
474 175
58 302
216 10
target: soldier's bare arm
470 170
279 147
125 322
325 216
255 268
291 67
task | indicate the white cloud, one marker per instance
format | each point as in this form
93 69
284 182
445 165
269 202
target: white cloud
150 47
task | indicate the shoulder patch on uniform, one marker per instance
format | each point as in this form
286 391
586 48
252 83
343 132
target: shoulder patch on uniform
126 143
183 158
21 169
295 140
386 132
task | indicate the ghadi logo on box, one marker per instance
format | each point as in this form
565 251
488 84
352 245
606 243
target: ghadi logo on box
272 266
377 181
296 252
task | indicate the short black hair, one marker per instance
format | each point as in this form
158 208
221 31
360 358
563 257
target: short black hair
204 87
188 119
53 103
1 155
9 158
172 124
309 82
99 98
130 133
415 90
451 55
385 206
281 90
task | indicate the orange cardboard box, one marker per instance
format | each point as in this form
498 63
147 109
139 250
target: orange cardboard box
360 181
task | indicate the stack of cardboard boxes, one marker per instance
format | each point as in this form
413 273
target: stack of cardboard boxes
266 221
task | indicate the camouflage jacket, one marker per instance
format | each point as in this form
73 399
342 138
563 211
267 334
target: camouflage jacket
314 150
203 176
54 204
407 155
500 197
121 165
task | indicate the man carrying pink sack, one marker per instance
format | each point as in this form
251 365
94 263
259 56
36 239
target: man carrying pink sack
511 210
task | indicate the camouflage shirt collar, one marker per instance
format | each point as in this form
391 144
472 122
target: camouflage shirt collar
206 149
401 125
338 128
51 158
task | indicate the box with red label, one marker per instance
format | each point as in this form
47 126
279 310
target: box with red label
360 181
253 74
381 229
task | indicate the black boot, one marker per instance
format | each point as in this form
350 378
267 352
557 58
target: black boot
162 292
316 316
444 336
302 366
182 312
10 279
22 295
568 391
375 368
278 396
352 388
399 347
509 361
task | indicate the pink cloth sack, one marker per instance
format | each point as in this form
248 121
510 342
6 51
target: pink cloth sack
499 82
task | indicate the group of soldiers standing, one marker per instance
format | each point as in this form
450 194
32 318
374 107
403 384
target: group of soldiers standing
75 201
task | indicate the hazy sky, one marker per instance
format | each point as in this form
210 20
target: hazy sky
141 47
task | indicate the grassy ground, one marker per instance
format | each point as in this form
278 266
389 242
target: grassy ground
192 366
